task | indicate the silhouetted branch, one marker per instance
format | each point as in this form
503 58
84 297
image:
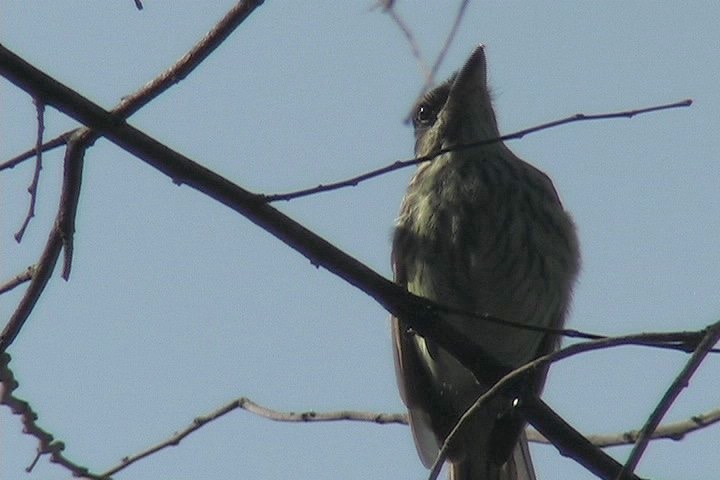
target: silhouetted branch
579 117
712 335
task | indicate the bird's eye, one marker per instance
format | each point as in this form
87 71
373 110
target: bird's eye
424 115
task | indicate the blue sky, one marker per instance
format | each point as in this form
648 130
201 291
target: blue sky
177 305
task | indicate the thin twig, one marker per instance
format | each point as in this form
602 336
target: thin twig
58 141
673 431
712 335
446 46
245 403
670 431
430 79
191 60
580 117
389 8
19 279
32 189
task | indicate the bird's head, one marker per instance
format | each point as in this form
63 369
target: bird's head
457 112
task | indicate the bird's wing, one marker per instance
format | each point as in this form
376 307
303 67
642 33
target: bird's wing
413 381
411 373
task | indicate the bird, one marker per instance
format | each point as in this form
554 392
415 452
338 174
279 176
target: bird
484 232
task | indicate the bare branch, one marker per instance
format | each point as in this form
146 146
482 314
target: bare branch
58 141
46 442
32 189
61 234
579 117
41 275
312 416
176 73
712 335
245 403
191 60
672 431
19 279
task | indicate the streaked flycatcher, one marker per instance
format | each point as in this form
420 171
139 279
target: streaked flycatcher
482 231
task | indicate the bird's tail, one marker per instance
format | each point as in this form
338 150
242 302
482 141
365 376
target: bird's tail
518 467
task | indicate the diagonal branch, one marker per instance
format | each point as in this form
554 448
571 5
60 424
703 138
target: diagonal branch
58 141
712 335
191 60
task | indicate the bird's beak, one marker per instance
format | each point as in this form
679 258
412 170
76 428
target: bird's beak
471 78
468 111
